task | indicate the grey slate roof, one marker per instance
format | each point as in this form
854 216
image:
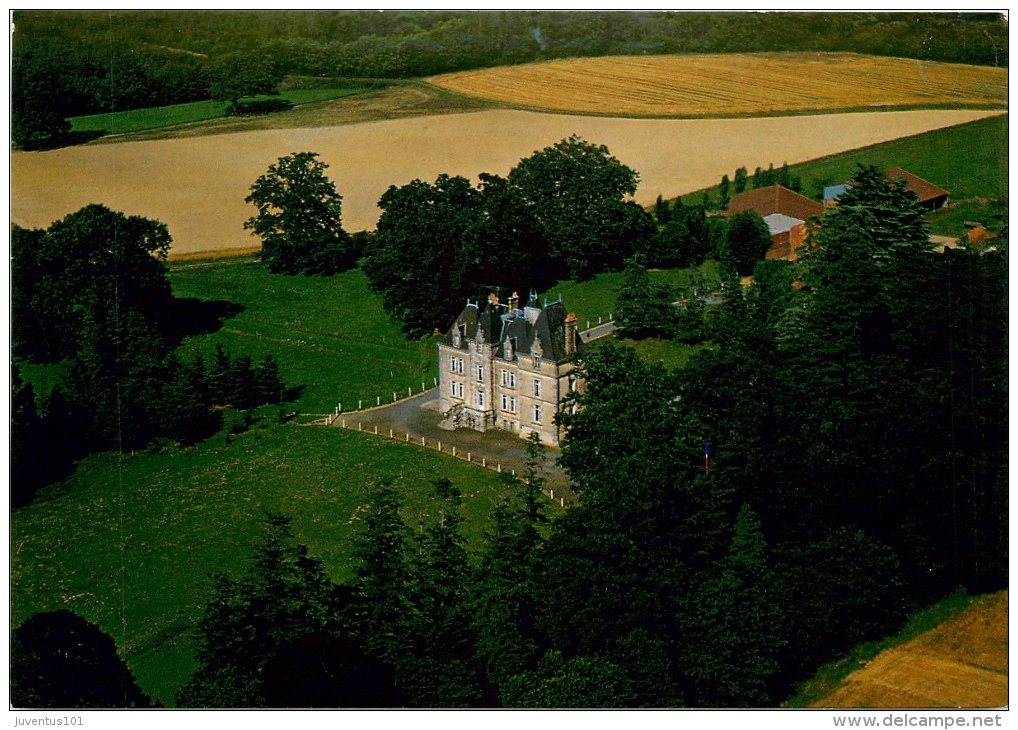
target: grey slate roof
499 326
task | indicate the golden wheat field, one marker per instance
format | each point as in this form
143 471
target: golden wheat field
962 663
731 84
197 185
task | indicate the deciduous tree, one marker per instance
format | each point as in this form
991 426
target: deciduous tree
746 242
580 194
299 218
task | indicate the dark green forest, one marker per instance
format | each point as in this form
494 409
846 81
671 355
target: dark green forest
71 63
92 292
835 461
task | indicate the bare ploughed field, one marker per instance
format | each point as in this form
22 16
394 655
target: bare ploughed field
197 185
961 663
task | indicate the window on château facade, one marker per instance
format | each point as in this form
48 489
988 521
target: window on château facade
537 413
537 388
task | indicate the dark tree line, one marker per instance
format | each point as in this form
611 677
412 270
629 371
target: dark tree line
855 414
91 293
760 179
60 660
85 62
562 212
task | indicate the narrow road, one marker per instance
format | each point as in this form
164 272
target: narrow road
601 330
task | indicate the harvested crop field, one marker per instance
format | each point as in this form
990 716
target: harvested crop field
731 84
961 663
197 185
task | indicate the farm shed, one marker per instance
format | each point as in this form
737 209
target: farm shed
930 195
784 211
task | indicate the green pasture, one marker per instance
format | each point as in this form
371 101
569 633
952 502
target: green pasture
970 161
330 335
130 541
136 120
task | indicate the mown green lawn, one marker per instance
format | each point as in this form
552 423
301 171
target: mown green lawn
330 335
130 542
136 120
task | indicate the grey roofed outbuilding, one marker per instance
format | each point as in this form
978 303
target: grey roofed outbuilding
833 192
780 223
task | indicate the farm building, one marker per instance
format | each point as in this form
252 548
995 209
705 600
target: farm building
931 196
784 211
507 366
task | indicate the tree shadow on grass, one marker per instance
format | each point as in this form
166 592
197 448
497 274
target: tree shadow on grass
190 316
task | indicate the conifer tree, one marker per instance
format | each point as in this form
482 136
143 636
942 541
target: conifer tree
644 309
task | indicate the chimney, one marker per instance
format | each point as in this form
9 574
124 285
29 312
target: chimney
514 302
570 333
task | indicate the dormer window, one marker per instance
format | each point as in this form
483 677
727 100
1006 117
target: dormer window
537 362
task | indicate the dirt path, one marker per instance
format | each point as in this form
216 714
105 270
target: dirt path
197 185
961 663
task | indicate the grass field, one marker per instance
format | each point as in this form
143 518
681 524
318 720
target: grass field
137 120
397 100
596 298
329 334
969 160
952 654
129 542
333 339
719 85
